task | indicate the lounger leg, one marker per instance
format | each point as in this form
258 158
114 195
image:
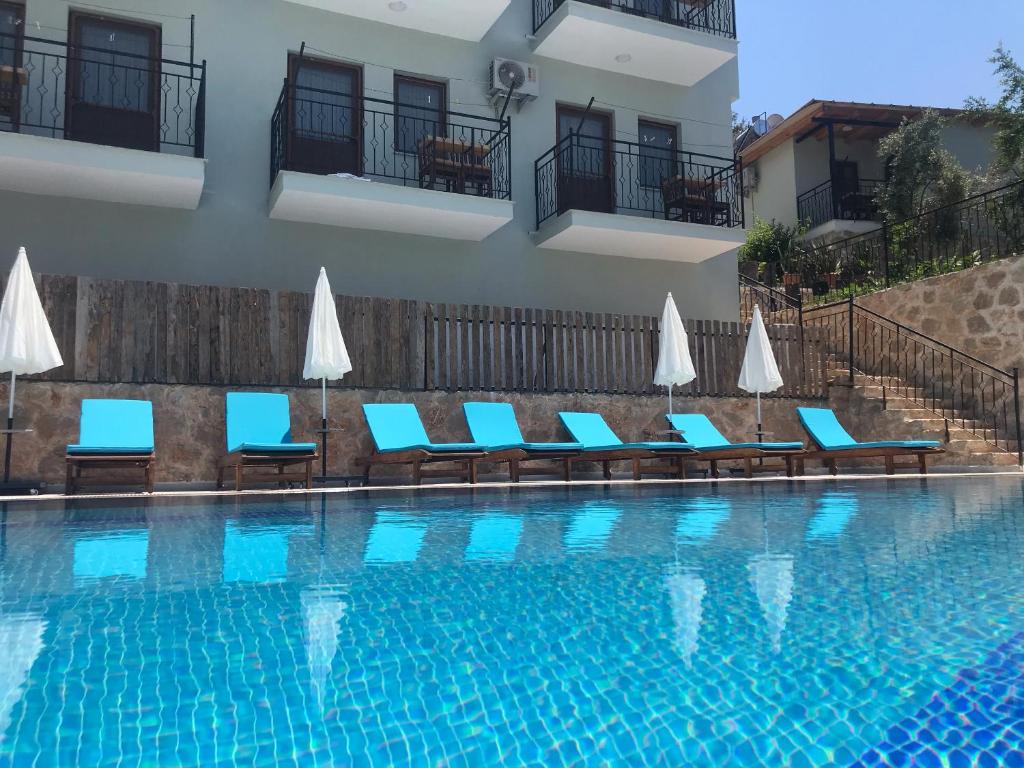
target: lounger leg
748 468
714 470
238 475
607 470
513 470
472 471
417 475
220 477
636 469
149 477
682 468
69 482
789 466
890 465
832 466
567 470
922 461
366 475
309 475
800 468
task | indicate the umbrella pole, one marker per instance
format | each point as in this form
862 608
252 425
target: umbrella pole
10 431
760 431
670 401
323 427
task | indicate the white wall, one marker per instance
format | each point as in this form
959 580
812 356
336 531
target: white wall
775 195
230 240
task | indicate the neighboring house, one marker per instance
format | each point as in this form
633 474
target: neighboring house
821 165
369 137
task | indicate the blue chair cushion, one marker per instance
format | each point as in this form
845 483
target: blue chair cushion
257 418
697 430
590 430
828 434
495 425
298 448
398 427
121 427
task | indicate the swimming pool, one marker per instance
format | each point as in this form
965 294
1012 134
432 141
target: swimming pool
775 624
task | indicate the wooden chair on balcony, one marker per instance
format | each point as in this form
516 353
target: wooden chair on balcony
456 162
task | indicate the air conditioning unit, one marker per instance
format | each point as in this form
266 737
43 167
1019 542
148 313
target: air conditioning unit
751 178
523 79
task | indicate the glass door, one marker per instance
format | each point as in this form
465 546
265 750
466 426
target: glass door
325 135
114 82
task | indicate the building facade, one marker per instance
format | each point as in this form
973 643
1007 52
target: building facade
821 165
249 142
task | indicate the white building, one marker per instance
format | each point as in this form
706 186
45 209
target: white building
371 137
821 165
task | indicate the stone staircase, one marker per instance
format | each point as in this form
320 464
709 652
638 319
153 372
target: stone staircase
896 414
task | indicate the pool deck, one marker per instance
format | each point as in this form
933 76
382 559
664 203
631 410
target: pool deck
936 473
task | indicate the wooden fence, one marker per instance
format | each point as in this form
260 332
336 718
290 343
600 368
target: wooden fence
141 332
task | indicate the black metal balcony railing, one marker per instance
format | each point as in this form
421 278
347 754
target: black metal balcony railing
93 95
325 133
592 174
716 17
827 202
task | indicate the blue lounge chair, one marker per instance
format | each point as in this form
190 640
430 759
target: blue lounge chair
399 438
113 434
600 443
698 430
259 435
833 442
494 426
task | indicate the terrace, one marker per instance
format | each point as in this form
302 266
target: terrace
354 161
101 124
623 198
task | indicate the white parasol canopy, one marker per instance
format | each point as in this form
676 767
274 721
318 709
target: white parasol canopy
27 345
326 355
760 372
675 367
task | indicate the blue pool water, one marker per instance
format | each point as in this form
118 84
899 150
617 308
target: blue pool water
781 625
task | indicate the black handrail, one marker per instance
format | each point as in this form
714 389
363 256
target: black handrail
983 227
129 100
587 172
327 132
827 201
716 17
777 306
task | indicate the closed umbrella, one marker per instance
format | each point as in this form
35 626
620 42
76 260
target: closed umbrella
674 364
760 372
26 342
326 356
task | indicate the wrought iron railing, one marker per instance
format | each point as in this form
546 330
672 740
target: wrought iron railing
777 306
716 17
965 391
982 228
828 201
609 176
325 132
50 88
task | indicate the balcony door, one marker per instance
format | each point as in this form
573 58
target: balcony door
113 82
585 162
326 120
12 76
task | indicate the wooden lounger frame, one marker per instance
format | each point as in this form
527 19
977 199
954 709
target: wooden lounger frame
829 458
239 461
78 462
465 463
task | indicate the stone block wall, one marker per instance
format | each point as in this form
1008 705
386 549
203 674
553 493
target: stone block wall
978 310
189 421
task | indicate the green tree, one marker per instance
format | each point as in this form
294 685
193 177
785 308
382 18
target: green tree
1006 116
921 175
772 245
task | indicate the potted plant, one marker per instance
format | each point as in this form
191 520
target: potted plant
771 245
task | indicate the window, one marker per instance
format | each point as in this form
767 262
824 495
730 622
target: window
658 146
420 111
12 28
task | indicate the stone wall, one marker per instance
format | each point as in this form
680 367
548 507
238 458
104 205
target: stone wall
189 421
978 310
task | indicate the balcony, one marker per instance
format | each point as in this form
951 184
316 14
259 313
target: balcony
366 163
847 208
619 198
672 41
94 124
462 19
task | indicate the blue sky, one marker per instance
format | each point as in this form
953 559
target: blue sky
923 52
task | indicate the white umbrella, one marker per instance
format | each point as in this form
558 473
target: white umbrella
26 342
760 372
674 364
326 356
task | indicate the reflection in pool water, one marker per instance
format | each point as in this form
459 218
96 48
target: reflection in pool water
779 625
